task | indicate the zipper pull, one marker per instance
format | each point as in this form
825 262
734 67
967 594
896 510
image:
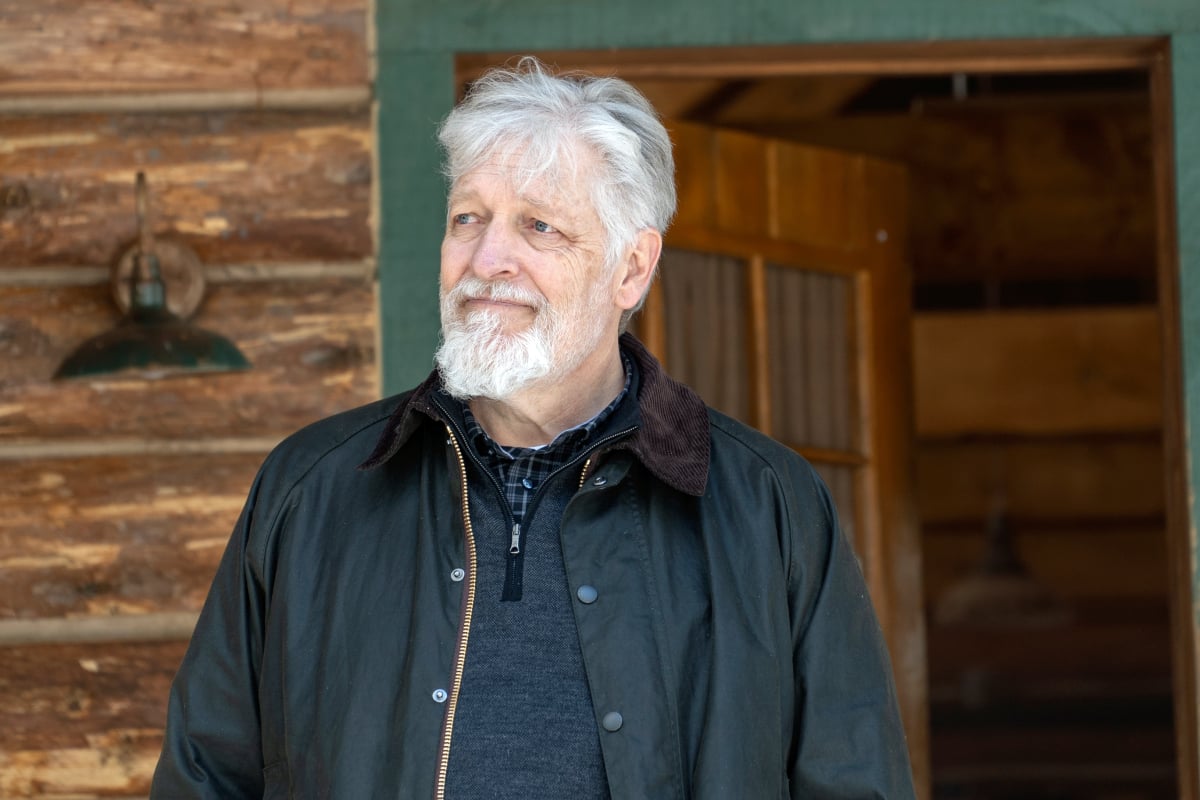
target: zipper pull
514 546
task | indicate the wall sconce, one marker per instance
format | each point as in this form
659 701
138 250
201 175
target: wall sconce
999 590
151 341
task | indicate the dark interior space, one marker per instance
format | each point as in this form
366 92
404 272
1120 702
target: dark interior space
1037 374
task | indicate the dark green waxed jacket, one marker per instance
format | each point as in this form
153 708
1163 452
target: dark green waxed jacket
730 648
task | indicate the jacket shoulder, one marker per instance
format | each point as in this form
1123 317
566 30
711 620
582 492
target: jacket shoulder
741 454
732 438
345 437
332 446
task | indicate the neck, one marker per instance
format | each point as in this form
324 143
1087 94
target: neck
537 414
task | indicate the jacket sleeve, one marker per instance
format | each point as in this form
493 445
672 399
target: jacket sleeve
212 745
848 738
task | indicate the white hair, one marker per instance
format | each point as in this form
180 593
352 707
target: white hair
545 117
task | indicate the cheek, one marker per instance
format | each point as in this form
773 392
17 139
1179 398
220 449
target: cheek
455 259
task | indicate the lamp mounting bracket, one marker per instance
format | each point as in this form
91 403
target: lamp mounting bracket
182 272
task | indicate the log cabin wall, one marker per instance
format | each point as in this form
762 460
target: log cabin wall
252 123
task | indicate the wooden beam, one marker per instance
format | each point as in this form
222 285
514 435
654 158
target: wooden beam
236 187
1055 478
756 335
1038 372
109 537
83 720
60 47
337 98
872 58
101 446
1076 651
152 627
50 275
1184 582
1077 560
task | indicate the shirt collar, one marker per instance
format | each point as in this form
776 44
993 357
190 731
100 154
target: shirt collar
568 439
672 439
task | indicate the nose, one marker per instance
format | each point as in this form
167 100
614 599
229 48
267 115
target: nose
495 254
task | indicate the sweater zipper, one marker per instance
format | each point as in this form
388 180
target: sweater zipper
460 654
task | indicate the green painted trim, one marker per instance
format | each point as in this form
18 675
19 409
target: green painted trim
1185 78
486 25
414 91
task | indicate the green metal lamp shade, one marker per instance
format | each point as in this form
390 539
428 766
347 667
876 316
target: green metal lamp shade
154 348
151 341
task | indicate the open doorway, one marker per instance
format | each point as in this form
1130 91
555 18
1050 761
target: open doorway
1043 291
1038 381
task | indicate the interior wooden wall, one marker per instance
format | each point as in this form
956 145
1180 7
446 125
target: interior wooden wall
252 123
1038 378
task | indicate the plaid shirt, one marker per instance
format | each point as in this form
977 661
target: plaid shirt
521 470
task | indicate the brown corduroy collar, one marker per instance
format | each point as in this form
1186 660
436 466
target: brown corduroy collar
672 440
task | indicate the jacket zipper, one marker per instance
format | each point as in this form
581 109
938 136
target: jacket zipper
594 451
460 655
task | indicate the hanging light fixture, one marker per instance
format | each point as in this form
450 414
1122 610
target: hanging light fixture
152 341
1000 591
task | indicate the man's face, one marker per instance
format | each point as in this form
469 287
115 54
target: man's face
526 293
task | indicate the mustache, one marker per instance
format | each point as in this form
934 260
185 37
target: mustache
470 288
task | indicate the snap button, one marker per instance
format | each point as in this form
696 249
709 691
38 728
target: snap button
458 574
587 594
612 721
439 696
528 484
599 480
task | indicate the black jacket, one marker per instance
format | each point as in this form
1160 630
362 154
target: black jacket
731 629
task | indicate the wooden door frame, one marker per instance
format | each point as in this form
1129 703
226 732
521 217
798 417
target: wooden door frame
1149 53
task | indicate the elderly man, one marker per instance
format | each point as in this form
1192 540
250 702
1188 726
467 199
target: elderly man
549 571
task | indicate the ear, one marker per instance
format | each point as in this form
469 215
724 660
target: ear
637 269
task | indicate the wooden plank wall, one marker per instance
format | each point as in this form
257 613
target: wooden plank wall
252 124
1051 417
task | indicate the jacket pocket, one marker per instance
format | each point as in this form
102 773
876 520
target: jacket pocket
275 782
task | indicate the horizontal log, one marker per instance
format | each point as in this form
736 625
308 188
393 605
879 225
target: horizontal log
176 102
237 186
1079 562
87 447
1038 372
1064 479
50 275
311 345
1078 651
113 535
67 47
171 626
79 721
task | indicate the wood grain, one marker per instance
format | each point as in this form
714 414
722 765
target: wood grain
64 47
311 345
83 721
1003 194
1078 561
1073 651
1038 372
110 535
236 187
1093 478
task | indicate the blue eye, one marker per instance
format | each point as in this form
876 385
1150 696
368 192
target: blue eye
461 219
542 227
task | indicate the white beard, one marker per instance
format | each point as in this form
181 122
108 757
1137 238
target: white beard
478 359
